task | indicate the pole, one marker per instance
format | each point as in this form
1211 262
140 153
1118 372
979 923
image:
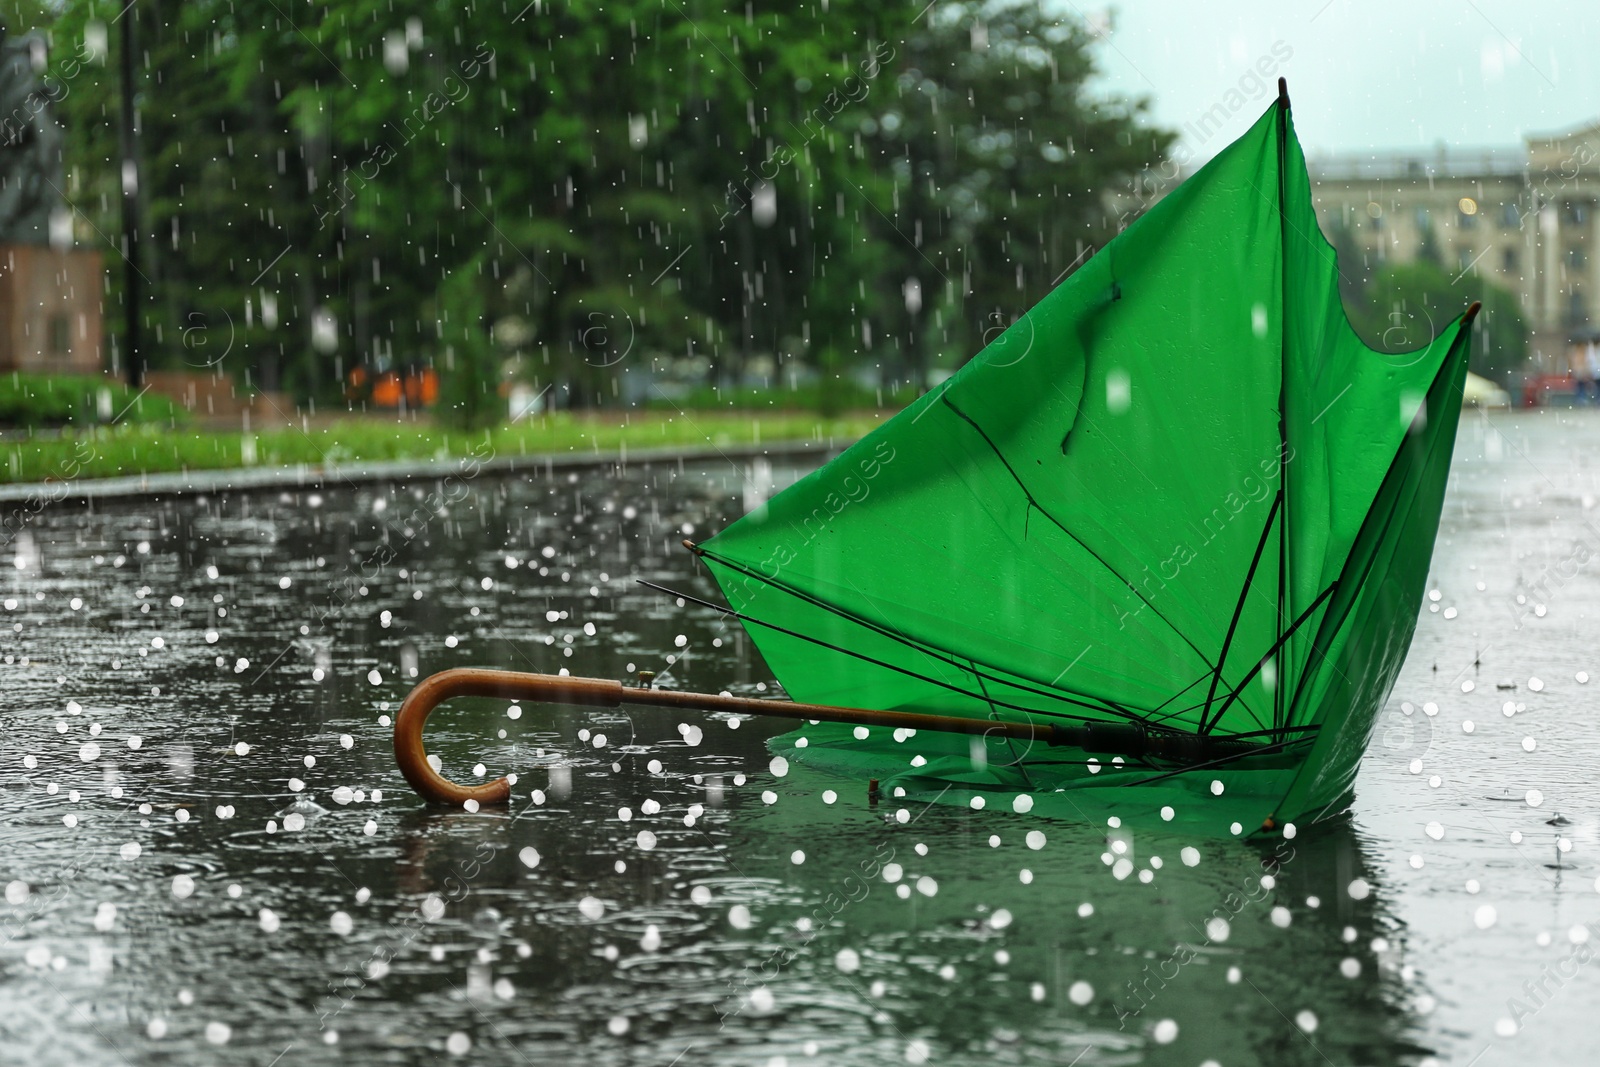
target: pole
132 294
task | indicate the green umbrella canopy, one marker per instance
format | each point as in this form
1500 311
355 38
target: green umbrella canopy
1177 492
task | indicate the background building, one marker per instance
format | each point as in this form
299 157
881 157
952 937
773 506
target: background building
50 301
1523 218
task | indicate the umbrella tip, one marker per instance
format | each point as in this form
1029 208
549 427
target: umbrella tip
1472 313
1283 93
691 546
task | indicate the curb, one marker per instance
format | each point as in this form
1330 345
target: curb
305 475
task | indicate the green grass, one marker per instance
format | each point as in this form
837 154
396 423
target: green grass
813 396
35 400
132 450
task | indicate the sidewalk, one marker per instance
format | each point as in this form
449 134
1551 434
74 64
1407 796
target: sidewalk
239 479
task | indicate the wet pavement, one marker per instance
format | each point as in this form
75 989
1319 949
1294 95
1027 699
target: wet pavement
211 858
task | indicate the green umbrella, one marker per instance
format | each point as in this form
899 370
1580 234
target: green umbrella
1178 498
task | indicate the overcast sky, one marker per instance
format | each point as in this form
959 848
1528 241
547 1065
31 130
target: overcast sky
1363 74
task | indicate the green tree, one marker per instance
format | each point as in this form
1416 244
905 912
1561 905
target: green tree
993 160
589 189
1407 304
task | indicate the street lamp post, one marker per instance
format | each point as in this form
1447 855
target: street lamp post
131 295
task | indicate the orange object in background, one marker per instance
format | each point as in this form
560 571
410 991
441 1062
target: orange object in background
421 387
386 390
415 387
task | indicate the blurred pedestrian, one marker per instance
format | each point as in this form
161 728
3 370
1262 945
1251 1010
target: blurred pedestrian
1583 361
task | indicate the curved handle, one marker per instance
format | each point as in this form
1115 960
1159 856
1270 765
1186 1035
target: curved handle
463 682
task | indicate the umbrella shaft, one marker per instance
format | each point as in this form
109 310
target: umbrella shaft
1107 738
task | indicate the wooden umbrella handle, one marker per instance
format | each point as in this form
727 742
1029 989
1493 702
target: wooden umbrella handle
1120 738
465 682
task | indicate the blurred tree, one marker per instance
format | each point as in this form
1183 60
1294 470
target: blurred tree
592 190
992 162
20 16
1407 304
469 371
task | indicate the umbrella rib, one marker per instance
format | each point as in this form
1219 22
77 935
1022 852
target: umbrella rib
1248 678
889 666
1062 527
1238 608
933 651
1264 750
1283 392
